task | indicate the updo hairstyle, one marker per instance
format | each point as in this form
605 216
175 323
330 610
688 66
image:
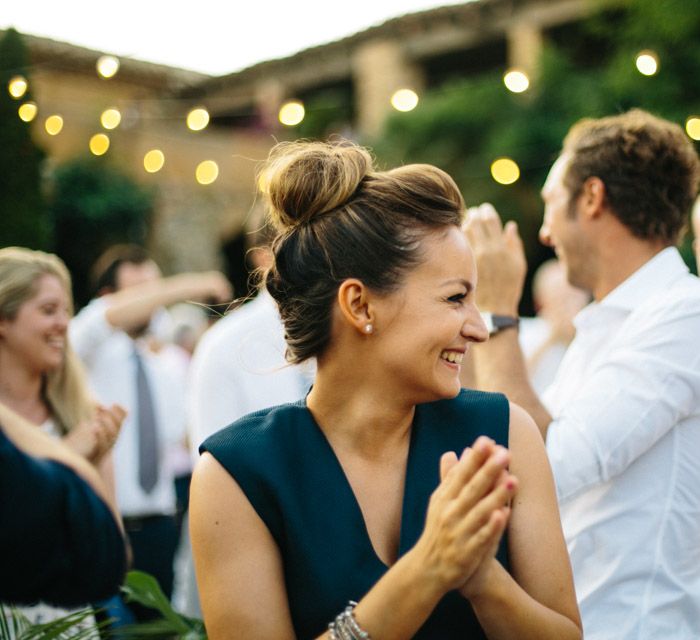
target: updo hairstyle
338 218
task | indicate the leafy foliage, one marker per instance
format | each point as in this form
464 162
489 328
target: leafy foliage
93 206
22 206
464 126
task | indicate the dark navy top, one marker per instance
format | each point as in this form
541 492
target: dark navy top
59 540
283 463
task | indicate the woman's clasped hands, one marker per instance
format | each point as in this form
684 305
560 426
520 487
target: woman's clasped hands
467 516
93 438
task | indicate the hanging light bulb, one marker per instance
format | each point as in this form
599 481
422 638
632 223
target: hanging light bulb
198 119
291 113
505 171
99 144
107 66
53 125
404 100
153 161
27 111
17 86
647 62
516 81
207 172
111 118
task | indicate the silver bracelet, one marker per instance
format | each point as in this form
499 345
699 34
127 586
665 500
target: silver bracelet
345 626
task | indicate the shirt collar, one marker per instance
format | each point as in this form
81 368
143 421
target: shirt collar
653 277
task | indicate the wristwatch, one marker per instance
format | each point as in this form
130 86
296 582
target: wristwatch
495 323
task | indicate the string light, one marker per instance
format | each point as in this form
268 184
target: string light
153 161
27 111
110 118
516 81
647 62
17 86
505 171
207 172
198 119
99 144
404 100
107 66
53 125
692 127
291 113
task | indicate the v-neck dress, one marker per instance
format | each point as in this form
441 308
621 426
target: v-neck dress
288 471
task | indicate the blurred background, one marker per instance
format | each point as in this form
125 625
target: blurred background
97 148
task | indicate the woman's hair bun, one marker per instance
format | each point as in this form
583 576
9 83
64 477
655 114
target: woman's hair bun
301 180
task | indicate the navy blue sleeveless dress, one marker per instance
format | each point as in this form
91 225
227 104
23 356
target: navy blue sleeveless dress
287 469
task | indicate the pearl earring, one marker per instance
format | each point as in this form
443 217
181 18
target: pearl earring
368 327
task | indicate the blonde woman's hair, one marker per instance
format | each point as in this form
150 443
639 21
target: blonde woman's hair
338 217
65 390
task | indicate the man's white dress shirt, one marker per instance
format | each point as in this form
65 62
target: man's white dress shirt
108 354
239 367
625 451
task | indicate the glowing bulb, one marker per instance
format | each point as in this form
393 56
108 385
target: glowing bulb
692 127
207 172
516 81
505 171
647 63
99 143
111 118
404 100
53 125
153 161
27 111
17 87
291 113
197 119
107 66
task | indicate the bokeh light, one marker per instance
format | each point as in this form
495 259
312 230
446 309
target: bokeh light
516 81
291 113
99 143
198 119
207 172
692 127
27 111
505 171
153 161
53 125
111 118
107 66
404 100
647 63
17 86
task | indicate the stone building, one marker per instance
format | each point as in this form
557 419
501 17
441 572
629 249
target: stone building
196 224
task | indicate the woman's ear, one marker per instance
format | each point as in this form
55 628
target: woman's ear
353 302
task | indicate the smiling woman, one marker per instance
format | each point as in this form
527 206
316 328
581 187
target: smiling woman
385 504
41 378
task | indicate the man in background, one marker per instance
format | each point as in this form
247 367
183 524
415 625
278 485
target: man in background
116 337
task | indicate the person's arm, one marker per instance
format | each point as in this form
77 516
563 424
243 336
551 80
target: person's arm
61 541
537 599
647 382
134 306
499 364
240 573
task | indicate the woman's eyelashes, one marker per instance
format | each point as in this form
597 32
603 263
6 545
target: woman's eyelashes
458 298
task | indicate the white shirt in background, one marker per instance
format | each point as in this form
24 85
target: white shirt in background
239 367
625 451
108 356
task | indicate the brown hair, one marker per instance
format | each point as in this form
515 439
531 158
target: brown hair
649 167
338 218
65 389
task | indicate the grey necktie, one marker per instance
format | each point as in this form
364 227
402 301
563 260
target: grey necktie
148 433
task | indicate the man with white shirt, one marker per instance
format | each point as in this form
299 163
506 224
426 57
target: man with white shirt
622 417
113 337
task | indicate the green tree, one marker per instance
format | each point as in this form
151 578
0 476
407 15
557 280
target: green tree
93 206
22 206
465 125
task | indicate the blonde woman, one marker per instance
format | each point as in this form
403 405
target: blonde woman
41 378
